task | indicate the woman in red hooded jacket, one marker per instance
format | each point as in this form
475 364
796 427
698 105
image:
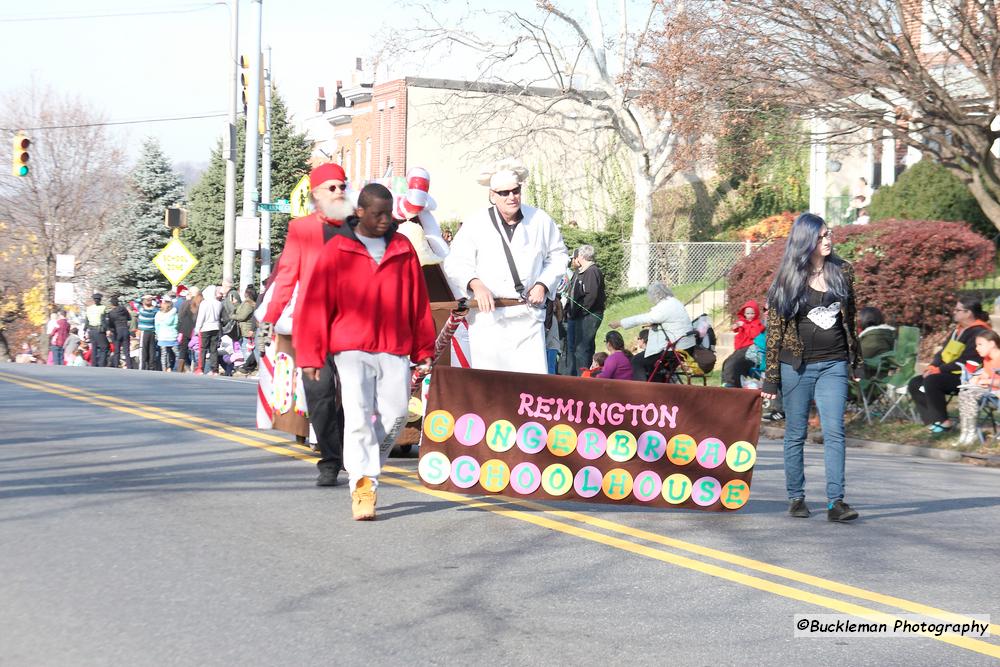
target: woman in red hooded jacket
748 325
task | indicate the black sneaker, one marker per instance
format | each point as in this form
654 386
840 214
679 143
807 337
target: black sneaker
776 416
841 512
798 509
327 477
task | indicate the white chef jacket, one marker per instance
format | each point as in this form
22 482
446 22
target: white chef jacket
511 338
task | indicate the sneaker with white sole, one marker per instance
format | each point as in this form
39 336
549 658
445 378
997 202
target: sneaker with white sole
363 500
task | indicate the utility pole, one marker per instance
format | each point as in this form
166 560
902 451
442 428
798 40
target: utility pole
247 257
265 177
229 146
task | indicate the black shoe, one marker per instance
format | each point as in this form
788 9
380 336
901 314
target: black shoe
327 477
798 509
841 512
776 416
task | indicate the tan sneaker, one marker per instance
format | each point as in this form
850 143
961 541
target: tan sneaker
363 500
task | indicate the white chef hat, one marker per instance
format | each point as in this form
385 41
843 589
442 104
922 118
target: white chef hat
503 174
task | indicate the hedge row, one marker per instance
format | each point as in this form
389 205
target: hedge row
910 269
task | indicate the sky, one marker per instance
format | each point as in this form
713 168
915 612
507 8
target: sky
147 65
146 59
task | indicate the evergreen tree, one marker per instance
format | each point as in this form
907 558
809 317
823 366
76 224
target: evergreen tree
137 233
290 153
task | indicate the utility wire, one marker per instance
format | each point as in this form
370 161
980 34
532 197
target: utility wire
219 114
69 17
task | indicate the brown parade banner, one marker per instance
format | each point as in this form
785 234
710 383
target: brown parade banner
607 441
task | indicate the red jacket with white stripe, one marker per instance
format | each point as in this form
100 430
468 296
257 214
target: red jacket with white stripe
302 248
352 303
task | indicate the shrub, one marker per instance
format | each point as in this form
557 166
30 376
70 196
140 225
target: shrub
928 191
774 226
609 253
909 269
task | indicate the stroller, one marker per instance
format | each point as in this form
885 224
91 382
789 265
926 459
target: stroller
675 366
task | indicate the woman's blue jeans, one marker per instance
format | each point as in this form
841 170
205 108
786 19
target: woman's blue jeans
826 382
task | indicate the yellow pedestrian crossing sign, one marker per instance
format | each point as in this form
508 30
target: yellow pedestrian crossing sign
299 199
175 261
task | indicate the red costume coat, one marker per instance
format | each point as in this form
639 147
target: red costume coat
303 246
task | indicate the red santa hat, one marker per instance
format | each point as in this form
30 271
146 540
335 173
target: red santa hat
326 172
418 182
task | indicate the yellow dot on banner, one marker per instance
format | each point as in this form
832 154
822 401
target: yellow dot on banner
735 494
562 440
501 435
617 483
494 476
676 488
741 456
621 446
681 449
439 425
557 479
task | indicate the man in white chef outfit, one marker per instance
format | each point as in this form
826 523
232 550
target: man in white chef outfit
508 251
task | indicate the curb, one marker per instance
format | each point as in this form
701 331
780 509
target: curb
950 455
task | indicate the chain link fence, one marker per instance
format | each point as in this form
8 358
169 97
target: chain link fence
682 262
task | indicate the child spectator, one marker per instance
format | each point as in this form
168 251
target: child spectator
369 308
748 325
596 365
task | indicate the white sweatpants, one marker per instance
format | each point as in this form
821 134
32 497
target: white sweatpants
375 388
508 339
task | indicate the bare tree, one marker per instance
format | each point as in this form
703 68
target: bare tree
926 73
64 205
655 87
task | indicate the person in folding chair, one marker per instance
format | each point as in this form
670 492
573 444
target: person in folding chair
811 346
669 322
941 378
983 382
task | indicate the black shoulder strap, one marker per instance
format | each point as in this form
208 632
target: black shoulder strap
518 285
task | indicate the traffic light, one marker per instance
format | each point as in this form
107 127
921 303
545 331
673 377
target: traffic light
245 80
19 159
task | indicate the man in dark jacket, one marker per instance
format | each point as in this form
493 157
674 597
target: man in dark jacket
120 321
585 309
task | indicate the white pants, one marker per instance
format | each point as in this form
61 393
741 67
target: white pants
509 339
375 388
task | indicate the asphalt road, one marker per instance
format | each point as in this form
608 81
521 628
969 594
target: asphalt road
140 525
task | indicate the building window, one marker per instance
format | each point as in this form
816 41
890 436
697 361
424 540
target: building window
368 157
357 161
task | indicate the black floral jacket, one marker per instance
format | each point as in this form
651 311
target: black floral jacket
785 345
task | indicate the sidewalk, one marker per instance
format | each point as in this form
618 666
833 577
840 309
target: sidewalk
773 431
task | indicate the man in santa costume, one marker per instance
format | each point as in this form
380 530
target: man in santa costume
510 251
303 246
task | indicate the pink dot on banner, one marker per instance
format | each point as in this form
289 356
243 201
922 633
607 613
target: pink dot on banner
706 491
647 486
591 443
587 482
525 478
711 453
464 472
531 437
470 429
652 446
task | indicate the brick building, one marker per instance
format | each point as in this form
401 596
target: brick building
381 130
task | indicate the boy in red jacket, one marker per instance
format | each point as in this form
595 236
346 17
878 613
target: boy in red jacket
368 306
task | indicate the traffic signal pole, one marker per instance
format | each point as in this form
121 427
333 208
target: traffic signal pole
265 177
248 257
229 149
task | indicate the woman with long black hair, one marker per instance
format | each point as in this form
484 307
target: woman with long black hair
811 347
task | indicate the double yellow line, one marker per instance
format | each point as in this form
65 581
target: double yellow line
595 529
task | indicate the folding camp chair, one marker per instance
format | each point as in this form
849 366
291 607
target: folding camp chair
894 389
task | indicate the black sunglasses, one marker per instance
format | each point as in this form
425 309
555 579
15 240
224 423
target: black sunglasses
342 187
512 191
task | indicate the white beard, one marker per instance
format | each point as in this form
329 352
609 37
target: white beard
336 210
